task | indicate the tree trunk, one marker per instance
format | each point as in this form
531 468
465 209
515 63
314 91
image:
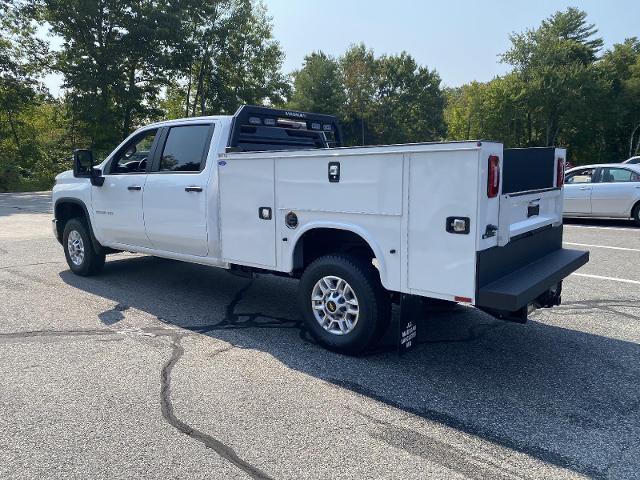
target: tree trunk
186 103
633 134
126 124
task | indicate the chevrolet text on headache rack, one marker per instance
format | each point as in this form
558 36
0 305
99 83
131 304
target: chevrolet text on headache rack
275 191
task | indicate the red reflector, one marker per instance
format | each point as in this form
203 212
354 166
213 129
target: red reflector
560 173
462 299
493 176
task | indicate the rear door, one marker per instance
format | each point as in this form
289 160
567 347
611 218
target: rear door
577 191
175 195
615 193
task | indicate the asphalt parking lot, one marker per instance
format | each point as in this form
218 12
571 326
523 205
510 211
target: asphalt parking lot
160 369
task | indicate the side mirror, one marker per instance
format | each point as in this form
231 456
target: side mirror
82 163
83 167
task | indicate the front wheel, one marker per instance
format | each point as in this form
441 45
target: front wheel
78 249
345 307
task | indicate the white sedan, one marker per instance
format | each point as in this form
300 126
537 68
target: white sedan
609 190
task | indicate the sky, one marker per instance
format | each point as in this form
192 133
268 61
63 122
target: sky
460 39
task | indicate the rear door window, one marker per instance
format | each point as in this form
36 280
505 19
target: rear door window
615 175
185 148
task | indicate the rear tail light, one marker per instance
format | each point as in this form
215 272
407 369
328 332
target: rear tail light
493 177
560 173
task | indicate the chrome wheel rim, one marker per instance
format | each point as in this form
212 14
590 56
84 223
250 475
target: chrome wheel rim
75 247
335 305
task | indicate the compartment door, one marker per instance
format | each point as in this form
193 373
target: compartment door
442 185
246 193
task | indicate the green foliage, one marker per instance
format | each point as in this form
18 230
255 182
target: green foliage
125 64
389 99
318 86
558 93
229 58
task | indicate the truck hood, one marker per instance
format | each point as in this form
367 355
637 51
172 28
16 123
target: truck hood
64 175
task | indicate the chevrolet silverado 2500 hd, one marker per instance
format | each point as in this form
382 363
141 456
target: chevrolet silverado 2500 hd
274 191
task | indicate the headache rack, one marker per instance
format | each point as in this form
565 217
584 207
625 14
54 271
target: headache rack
262 128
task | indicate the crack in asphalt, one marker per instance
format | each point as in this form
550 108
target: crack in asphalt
30 264
448 420
445 454
247 320
56 333
168 413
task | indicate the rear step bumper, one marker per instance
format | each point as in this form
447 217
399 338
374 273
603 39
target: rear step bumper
518 289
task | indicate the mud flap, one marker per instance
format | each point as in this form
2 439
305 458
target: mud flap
407 331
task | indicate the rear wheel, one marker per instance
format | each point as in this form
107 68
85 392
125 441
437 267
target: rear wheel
78 249
635 214
345 307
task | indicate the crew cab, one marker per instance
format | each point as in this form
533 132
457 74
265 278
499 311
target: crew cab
275 191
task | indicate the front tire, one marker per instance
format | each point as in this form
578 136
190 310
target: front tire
345 307
78 249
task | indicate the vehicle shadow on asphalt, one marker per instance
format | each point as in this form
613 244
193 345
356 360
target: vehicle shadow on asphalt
563 396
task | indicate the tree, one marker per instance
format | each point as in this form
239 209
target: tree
231 58
22 58
317 86
554 64
387 99
115 59
358 68
408 101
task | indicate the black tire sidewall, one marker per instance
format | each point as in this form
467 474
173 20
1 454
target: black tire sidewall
635 214
364 281
92 262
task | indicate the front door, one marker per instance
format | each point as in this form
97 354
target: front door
175 195
577 191
117 204
616 192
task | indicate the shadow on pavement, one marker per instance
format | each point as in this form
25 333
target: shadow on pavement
563 396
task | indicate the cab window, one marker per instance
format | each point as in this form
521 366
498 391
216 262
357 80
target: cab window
185 148
133 157
615 175
584 175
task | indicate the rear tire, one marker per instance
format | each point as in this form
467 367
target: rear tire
635 214
345 307
78 249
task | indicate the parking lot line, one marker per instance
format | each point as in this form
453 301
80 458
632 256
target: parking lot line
613 279
630 229
602 246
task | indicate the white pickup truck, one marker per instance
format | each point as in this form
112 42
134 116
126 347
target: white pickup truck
273 191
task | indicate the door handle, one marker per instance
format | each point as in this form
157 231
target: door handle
585 188
134 187
193 189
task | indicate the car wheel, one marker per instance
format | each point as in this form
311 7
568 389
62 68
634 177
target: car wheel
78 249
345 307
635 214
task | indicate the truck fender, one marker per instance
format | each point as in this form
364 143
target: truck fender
96 244
356 229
